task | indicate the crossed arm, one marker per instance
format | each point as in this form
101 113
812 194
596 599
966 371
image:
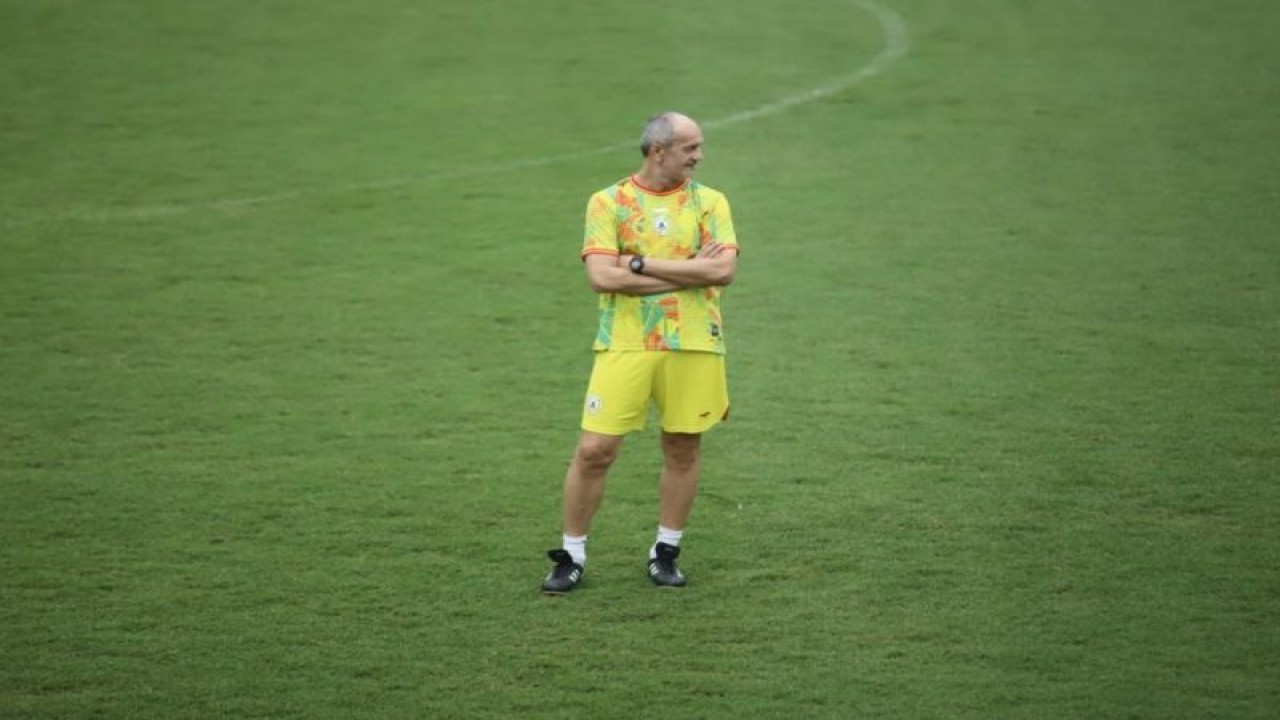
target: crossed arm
715 264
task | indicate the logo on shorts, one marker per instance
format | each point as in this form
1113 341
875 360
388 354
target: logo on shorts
594 402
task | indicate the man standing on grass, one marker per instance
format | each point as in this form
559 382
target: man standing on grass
658 248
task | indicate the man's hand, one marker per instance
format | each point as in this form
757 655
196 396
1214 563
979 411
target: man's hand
714 265
712 249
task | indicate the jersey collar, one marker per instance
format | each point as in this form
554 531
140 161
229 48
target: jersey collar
636 181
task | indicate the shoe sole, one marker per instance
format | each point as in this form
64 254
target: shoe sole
660 584
654 579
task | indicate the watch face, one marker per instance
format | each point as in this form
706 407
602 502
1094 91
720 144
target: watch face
637 264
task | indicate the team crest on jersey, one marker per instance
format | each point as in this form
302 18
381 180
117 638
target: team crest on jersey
594 403
661 224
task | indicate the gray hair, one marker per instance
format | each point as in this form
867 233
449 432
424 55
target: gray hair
659 131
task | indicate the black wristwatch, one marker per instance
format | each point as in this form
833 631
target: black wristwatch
637 264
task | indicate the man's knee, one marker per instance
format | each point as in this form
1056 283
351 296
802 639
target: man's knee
680 450
598 451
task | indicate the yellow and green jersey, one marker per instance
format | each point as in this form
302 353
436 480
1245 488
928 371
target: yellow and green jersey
629 219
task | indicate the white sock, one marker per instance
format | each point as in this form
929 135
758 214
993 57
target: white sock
668 536
576 546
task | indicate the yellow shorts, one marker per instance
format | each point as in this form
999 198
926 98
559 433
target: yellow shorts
688 389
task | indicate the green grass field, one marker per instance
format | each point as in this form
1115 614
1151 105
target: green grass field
293 337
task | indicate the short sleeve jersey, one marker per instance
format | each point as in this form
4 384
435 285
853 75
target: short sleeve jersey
629 219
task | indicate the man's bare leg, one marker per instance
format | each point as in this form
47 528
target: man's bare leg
681 463
585 480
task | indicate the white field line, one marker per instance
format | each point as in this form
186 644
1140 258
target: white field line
896 45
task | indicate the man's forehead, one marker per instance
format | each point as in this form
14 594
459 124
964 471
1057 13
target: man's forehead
689 136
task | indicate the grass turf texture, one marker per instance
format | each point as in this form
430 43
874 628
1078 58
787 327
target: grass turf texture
292 350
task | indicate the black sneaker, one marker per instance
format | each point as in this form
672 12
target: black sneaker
663 570
565 576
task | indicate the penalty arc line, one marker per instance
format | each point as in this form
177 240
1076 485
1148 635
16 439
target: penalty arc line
896 46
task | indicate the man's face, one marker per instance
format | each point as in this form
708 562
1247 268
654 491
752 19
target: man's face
678 159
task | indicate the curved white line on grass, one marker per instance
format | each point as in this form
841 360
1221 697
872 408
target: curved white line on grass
896 46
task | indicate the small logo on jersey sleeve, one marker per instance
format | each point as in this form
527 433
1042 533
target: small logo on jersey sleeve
594 404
